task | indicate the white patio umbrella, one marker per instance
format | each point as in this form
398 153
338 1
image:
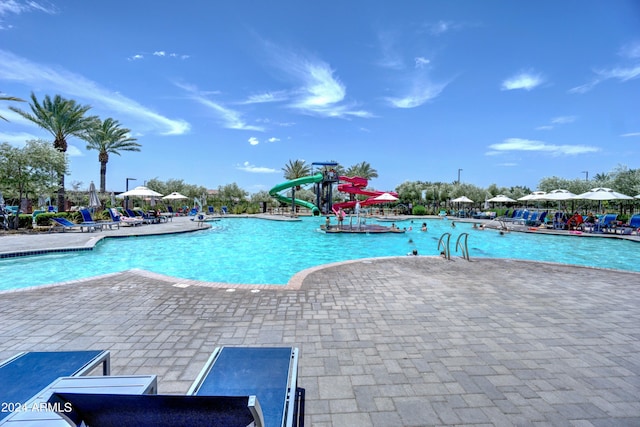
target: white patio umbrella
94 201
501 198
600 194
557 195
139 191
385 197
174 196
462 199
536 195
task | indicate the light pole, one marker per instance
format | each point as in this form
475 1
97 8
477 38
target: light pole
126 199
459 170
586 175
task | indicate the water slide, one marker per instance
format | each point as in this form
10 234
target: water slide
274 192
356 185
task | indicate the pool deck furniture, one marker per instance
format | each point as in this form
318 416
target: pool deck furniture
269 373
122 410
25 374
45 409
65 224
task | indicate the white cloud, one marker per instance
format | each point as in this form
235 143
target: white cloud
631 134
391 59
563 120
622 73
15 7
266 97
230 119
319 92
422 92
273 139
518 144
254 141
421 62
16 69
631 50
159 54
248 167
440 27
524 80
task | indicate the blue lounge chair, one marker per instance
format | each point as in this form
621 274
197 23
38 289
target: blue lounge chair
26 374
269 373
634 225
65 224
224 210
604 224
122 410
87 220
118 219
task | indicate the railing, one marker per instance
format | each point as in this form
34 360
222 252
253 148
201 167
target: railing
462 240
461 243
444 247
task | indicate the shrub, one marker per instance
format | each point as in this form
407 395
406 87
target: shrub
419 210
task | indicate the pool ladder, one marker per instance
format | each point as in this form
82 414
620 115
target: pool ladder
461 243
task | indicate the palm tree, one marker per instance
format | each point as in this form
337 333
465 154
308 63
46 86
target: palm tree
293 170
363 170
108 137
296 169
62 118
9 98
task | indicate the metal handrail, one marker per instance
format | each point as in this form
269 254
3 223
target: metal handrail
463 249
446 252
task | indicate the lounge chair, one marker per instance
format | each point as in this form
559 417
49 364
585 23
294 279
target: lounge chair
88 220
269 373
123 410
632 226
224 210
606 223
116 218
538 220
26 374
65 224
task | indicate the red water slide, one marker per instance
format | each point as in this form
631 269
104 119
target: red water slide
356 185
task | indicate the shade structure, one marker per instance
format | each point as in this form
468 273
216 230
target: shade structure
139 191
94 201
602 193
559 194
174 196
385 197
501 198
536 195
462 199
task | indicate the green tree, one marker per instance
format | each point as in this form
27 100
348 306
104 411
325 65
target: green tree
62 118
363 170
32 169
9 98
107 137
296 169
231 193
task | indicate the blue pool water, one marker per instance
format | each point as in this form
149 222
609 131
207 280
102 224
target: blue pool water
254 251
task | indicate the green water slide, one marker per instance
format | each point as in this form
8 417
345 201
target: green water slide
274 192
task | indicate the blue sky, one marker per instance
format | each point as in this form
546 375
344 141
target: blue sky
220 92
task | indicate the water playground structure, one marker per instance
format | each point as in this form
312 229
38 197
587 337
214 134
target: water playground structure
324 182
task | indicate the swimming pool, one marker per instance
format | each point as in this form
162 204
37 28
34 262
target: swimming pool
255 251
